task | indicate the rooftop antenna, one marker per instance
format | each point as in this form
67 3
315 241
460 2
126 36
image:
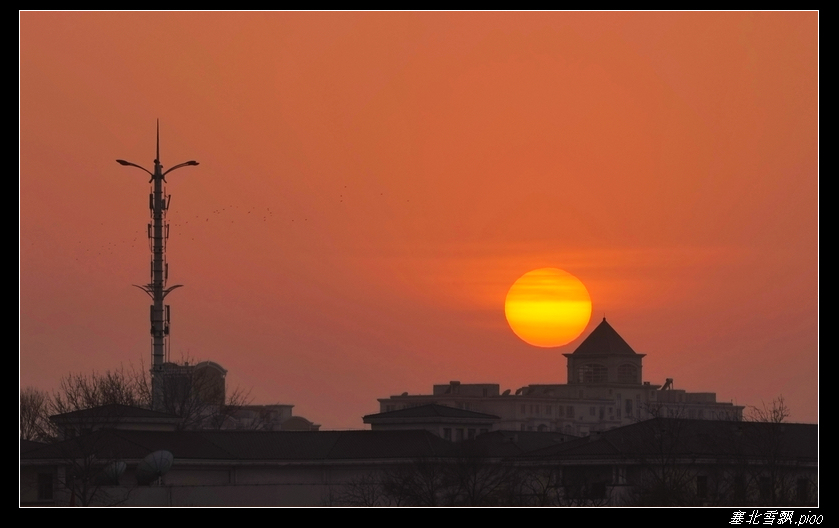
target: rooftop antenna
158 233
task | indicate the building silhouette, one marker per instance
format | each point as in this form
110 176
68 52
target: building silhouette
448 423
605 390
656 462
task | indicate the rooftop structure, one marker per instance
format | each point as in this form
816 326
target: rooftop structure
605 390
448 423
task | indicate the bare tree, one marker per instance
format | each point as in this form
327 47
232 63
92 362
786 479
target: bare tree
78 391
420 483
361 490
778 479
198 398
200 401
34 414
589 487
667 471
538 486
467 477
775 412
90 470
476 479
80 412
761 463
85 407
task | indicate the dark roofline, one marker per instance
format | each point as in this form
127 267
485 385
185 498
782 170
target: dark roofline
247 446
691 438
113 412
430 411
604 341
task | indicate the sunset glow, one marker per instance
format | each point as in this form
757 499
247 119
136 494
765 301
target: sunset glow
548 307
372 183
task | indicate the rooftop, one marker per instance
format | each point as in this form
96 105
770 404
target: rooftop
431 410
246 445
604 340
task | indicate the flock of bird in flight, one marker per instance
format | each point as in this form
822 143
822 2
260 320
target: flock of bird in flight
179 228
218 212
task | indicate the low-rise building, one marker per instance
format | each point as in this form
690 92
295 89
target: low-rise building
657 462
605 390
683 462
276 417
448 423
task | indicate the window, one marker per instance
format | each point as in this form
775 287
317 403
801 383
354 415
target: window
629 408
559 410
802 490
44 486
739 488
447 433
470 434
702 486
570 411
602 412
592 411
627 374
765 488
458 435
523 409
592 373
547 410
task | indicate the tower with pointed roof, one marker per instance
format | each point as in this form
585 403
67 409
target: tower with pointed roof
604 358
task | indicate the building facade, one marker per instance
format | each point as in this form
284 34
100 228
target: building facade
605 390
656 462
448 423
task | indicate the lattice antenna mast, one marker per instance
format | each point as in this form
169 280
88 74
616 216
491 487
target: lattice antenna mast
158 232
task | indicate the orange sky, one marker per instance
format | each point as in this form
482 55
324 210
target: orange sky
371 184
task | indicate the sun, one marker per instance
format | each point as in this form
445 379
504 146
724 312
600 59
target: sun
548 307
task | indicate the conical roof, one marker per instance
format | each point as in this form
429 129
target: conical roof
603 340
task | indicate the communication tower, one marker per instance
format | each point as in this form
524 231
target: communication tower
158 233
